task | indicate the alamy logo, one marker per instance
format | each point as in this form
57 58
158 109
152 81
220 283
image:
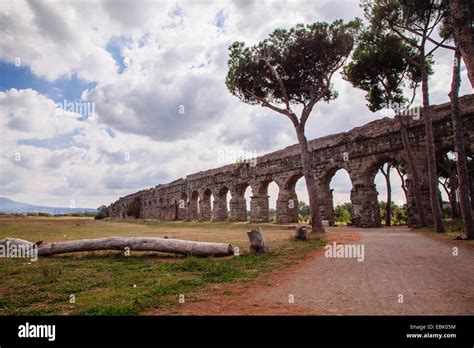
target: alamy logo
404 109
15 250
226 156
345 251
37 331
79 107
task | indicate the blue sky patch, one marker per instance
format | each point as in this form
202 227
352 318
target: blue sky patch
114 47
110 132
61 141
58 90
220 18
176 11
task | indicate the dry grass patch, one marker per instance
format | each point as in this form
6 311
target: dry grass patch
109 283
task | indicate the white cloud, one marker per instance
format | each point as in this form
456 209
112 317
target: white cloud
175 59
27 114
55 39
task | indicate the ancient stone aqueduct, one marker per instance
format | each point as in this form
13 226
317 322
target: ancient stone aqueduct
361 152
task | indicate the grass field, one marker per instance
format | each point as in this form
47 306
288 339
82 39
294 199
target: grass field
453 229
110 283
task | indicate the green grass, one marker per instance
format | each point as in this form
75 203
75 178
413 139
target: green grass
454 229
109 283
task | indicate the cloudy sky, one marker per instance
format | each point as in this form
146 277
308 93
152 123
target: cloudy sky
142 83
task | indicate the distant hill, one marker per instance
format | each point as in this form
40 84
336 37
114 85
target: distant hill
10 206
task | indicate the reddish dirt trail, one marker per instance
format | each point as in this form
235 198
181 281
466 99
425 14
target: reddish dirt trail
397 262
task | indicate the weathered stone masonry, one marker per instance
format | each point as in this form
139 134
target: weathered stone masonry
361 151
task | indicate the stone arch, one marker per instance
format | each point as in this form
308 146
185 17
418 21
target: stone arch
397 183
446 144
448 150
364 195
449 186
238 204
205 206
166 205
219 208
373 166
291 181
194 206
173 209
259 204
399 157
260 187
327 173
182 206
287 206
326 193
143 209
354 151
124 210
159 208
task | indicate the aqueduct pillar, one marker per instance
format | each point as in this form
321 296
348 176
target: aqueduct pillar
238 209
205 211
287 205
219 209
326 202
364 198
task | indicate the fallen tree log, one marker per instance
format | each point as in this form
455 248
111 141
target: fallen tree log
165 245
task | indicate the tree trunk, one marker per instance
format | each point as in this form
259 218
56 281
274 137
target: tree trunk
459 148
440 198
414 174
402 179
388 213
174 246
257 242
430 149
314 204
451 193
453 183
462 21
471 180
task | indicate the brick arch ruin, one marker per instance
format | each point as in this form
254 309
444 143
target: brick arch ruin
359 151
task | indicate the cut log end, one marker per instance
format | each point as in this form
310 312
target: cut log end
301 234
257 242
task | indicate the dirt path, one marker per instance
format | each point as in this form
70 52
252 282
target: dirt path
397 262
